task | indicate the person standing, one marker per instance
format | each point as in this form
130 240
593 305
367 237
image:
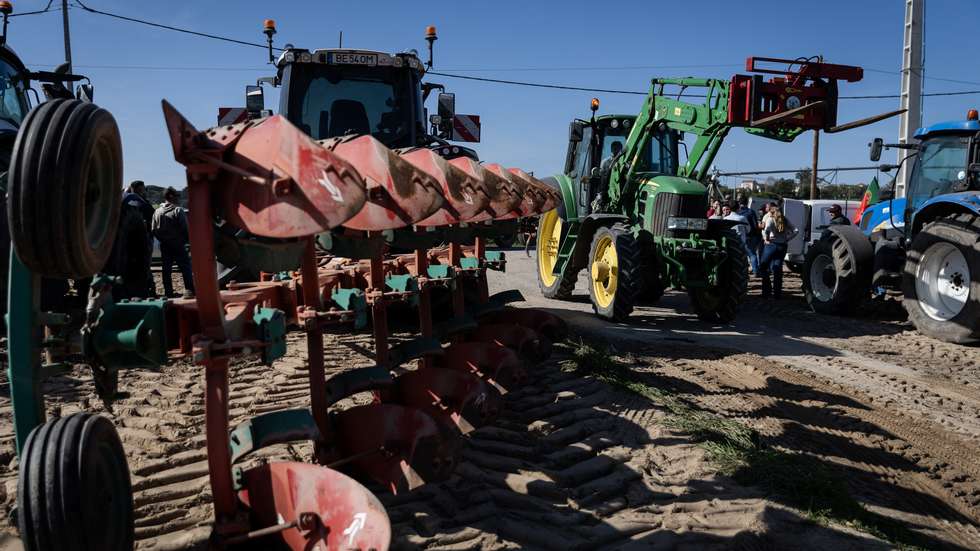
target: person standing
753 236
138 265
714 210
741 226
776 234
170 229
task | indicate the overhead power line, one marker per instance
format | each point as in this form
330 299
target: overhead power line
634 92
539 85
171 27
552 86
46 9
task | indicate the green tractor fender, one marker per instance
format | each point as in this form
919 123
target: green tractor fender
568 208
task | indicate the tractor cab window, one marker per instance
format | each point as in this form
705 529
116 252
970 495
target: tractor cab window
326 101
941 164
12 99
580 162
659 156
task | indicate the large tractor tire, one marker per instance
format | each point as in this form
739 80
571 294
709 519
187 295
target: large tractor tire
719 304
73 489
615 270
837 271
550 231
64 189
941 281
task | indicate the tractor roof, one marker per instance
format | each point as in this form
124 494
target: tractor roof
949 127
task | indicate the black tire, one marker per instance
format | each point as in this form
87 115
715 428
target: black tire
653 288
73 488
561 288
64 188
629 276
961 232
720 304
836 275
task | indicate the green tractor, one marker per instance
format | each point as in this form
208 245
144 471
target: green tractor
634 211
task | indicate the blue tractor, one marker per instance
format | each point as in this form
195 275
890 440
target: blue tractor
927 244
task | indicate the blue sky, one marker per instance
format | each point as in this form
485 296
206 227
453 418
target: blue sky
566 42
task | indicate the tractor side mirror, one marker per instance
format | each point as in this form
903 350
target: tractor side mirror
876 146
254 99
446 111
447 106
575 132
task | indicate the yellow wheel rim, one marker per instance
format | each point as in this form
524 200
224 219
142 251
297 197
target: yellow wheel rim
605 271
549 236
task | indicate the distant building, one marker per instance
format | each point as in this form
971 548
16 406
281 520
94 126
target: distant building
749 185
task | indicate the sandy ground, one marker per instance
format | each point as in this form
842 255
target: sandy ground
575 463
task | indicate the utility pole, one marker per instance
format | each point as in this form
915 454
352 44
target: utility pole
64 23
816 157
913 67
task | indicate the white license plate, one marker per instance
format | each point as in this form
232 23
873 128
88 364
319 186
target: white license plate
677 223
353 58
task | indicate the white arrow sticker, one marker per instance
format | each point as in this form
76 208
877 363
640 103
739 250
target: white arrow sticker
355 526
331 188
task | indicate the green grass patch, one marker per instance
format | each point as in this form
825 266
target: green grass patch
798 480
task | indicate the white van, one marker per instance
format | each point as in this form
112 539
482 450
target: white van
811 217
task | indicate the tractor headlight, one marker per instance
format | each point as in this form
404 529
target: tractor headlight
677 223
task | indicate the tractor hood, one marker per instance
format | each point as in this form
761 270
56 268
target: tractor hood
675 184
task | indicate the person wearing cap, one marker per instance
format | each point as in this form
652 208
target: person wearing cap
837 217
170 229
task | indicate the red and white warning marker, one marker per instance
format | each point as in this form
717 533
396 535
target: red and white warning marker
231 115
466 128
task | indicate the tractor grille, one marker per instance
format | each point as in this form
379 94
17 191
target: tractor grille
667 204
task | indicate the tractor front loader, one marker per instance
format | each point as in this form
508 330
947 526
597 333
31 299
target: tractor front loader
634 213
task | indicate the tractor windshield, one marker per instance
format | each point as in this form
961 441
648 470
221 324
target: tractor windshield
330 100
941 164
659 155
12 98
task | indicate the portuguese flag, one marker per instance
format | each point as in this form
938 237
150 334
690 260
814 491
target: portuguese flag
870 198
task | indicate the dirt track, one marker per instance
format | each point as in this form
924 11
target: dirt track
577 463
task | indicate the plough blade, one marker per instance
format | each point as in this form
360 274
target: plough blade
275 180
466 196
498 365
548 197
526 342
399 194
526 198
399 447
505 199
549 325
313 507
451 397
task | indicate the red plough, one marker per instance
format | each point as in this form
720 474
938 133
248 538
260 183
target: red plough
354 199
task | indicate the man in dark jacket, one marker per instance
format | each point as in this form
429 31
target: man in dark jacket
170 228
138 265
753 238
837 217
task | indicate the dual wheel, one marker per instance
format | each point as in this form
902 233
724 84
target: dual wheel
64 185
940 280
